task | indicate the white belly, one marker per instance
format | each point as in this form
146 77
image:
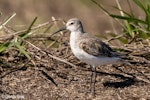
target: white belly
93 60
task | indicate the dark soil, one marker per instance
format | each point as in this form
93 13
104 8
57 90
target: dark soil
45 77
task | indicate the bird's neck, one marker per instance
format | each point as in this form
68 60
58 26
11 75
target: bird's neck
75 37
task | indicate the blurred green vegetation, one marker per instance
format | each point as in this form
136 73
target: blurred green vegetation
133 27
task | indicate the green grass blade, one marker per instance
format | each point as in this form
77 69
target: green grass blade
101 7
128 18
21 49
26 34
29 29
123 40
4 46
140 4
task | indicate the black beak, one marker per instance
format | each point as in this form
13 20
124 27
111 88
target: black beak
61 29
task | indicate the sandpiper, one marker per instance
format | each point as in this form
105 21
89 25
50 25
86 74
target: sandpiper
89 49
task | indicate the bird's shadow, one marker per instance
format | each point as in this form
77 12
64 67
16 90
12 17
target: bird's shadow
124 82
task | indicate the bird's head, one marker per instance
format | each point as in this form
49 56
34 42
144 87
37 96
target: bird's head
73 25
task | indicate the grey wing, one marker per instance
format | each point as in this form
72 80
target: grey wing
96 47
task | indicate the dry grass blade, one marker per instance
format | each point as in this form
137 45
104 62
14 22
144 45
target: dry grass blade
10 36
7 20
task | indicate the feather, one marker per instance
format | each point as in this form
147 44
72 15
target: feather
96 47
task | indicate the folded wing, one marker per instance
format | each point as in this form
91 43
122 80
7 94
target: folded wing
96 47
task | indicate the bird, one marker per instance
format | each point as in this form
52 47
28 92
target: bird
89 48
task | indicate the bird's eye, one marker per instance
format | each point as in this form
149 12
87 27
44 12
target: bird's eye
71 23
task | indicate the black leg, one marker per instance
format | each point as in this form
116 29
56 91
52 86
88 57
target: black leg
93 79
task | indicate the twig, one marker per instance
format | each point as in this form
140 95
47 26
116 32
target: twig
114 38
133 76
54 57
